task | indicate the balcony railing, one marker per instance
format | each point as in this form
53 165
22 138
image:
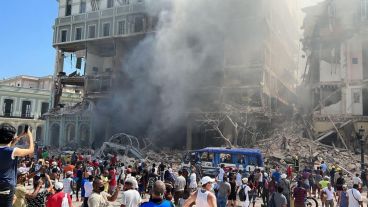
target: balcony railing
17 117
117 21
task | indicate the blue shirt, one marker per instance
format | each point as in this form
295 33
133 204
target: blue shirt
8 168
83 191
323 167
164 203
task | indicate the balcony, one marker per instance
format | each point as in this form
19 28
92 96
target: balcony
98 85
127 20
23 116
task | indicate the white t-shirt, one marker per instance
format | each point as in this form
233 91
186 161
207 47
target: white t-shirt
353 202
88 189
357 180
221 175
330 193
260 178
193 181
238 179
131 198
67 187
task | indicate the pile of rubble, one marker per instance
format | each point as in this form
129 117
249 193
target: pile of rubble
285 147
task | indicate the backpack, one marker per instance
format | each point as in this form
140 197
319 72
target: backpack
65 202
242 196
272 202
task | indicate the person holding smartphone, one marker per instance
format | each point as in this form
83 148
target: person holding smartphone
9 158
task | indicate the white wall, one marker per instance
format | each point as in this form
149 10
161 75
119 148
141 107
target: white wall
329 72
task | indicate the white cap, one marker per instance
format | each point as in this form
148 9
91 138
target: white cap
245 180
54 163
265 174
133 181
59 185
283 176
69 173
207 179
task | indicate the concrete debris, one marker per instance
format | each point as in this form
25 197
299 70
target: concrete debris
278 150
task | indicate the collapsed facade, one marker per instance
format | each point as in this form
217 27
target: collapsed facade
253 85
336 73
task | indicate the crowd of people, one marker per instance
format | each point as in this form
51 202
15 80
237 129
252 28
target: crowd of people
58 181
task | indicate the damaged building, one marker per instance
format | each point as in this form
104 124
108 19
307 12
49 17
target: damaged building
148 73
336 73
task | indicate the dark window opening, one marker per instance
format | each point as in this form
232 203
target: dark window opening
110 3
26 109
106 29
92 31
68 9
138 24
44 108
64 35
8 107
78 34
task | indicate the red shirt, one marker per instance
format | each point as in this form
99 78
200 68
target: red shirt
113 160
113 178
80 157
57 199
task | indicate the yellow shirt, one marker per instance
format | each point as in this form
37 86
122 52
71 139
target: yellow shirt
106 183
324 183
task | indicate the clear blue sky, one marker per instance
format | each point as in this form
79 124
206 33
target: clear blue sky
26 37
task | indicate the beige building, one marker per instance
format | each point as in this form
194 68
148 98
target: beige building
24 100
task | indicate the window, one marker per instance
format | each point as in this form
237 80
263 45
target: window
82 7
363 9
121 27
106 29
123 2
92 31
26 109
354 60
207 157
78 33
110 3
356 97
225 158
138 24
8 107
44 107
68 8
64 34
95 70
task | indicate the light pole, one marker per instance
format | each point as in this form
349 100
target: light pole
362 142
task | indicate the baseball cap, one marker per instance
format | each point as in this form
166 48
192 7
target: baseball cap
69 173
133 181
245 180
59 185
207 179
283 176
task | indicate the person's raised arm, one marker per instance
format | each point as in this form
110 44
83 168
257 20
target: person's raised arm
191 199
114 196
24 152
